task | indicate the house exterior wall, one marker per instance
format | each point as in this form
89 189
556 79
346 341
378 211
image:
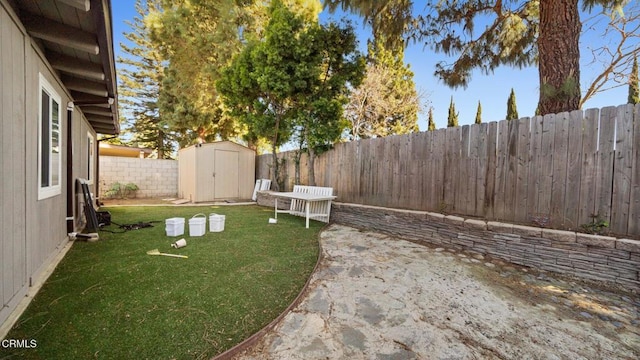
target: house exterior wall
197 167
34 231
46 230
80 164
13 131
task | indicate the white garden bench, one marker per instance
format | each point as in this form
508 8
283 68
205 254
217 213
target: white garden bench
311 202
261 185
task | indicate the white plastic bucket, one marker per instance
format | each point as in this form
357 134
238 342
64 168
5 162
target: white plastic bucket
179 244
216 222
174 226
197 225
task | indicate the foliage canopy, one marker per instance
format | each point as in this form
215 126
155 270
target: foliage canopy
293 80
516 33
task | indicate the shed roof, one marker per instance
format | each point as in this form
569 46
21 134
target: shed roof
215 143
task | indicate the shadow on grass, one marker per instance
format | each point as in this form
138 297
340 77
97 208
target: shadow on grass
109 299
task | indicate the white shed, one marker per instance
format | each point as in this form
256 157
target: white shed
216 171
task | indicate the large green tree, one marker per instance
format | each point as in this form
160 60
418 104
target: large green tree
198 38
293 79
517 33
333 66
141 75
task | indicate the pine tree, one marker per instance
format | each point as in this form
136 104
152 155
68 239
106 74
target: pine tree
198 38
432 124
141 76
512 110
634 87
516 33
479 114
453 115
452 119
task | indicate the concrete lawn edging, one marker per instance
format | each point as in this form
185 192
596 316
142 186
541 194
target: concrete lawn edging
594 257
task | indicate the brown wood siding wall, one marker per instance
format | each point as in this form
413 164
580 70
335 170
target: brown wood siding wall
559 170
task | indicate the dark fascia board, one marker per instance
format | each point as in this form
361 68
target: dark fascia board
102 11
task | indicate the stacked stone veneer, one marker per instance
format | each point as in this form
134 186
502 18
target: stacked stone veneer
583 255
154 177
266 199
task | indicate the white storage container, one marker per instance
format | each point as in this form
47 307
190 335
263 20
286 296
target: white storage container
197 225
174 226
216 222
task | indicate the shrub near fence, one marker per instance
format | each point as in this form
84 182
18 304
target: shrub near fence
559 170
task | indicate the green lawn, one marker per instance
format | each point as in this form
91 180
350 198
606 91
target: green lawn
110 300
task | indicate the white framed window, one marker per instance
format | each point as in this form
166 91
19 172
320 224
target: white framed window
49 141
91 145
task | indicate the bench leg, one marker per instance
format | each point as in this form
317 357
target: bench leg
276 209
307 210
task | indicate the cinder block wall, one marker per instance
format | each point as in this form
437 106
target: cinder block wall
593 257
154 177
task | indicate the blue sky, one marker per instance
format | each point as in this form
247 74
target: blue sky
491 90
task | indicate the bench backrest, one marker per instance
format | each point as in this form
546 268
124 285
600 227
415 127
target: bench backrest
315 190
321 209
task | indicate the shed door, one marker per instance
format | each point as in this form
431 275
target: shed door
227 178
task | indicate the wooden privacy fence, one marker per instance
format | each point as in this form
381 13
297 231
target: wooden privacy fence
560 170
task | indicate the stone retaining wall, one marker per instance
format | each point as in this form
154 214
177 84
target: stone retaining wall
583 255
266 199
588 256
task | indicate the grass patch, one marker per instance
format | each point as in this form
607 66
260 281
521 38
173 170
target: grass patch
110 299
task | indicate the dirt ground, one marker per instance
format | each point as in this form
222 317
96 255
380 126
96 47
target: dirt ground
165 201
137 201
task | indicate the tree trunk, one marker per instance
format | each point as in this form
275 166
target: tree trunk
276 165
160 144
276 169
312 172
559 56
296 159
